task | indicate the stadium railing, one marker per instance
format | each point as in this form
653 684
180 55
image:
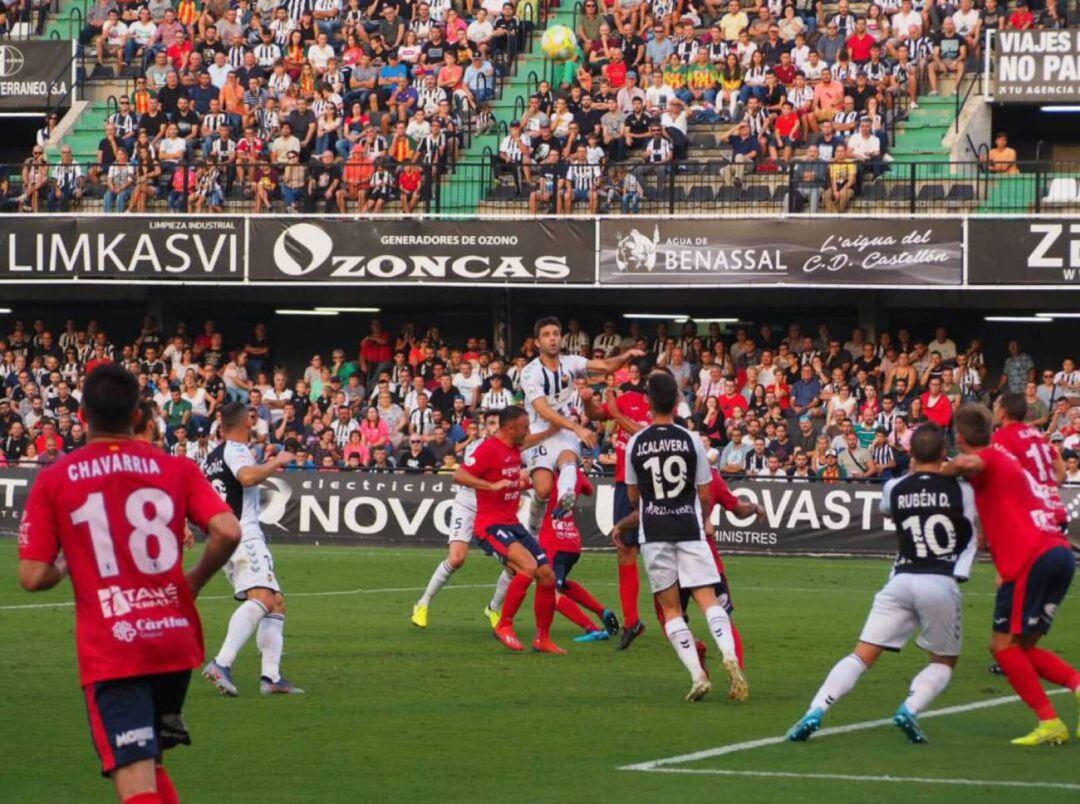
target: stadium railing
490 187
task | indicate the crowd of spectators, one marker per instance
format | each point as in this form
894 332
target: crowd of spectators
787 85
768 404
294 105
321 105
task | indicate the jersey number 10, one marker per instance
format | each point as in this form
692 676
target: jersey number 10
926 536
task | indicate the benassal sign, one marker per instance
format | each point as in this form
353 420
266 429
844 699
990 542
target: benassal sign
123 248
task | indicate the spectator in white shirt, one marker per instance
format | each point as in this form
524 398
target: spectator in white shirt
467 383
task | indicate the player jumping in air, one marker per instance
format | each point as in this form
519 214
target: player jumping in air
233 472
1034 562
561 541
494 472
936 521
462 519
548 385
668 479
116 509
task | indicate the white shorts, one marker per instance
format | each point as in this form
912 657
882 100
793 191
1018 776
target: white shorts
910 602
689 564
461 523
545 454
251 567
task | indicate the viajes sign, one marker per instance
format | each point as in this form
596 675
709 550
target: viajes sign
1024 251
157 248
418 251
804 252
30 75
1037 66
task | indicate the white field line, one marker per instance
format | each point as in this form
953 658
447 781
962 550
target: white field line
876 779
663 765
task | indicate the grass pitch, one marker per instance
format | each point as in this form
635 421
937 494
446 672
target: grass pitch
398 714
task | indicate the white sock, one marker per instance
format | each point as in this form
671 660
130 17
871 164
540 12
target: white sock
720 625
242 625
840 681
678 634
537 508
501 585
927 685
271 642
438 580
567 481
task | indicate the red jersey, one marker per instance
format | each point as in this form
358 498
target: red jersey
722 496
1029 446
729 404
117 510
634 406
1017 526
939 410
562 535
494 461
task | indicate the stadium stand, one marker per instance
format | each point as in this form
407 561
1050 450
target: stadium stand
886 81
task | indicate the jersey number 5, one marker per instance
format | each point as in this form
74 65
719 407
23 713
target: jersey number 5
92 514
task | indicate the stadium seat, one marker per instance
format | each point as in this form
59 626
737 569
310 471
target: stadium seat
704 141
931 192
960 193
701 194
900 192
728 195
1062 191
758 193
875 192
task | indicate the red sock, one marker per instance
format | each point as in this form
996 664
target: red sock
165 787
571 611
629 587
544 606
144 798
738 645
1023 678
515 596
659 611
1053 668
582 596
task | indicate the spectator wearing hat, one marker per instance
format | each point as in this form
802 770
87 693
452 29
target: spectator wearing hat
831 471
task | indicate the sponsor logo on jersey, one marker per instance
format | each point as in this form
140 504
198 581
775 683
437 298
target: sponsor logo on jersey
124 631
117 602
140 737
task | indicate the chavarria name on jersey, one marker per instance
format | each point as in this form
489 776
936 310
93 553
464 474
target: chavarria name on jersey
935 523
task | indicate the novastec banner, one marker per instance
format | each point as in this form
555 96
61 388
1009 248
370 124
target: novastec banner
30 76
1037 66
539 252
827 251
1024 251
121 247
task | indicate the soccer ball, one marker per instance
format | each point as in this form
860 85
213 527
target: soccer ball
558 43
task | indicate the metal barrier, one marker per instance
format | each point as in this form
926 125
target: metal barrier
492 186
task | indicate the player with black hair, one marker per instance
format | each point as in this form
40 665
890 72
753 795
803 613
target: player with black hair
116 510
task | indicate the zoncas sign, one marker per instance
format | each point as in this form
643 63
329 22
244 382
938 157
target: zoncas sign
417 251
157 248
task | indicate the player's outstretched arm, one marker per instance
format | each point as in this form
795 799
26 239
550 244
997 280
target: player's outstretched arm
223 535
37 576
553 417
609 364
962 466
532 439
254 475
